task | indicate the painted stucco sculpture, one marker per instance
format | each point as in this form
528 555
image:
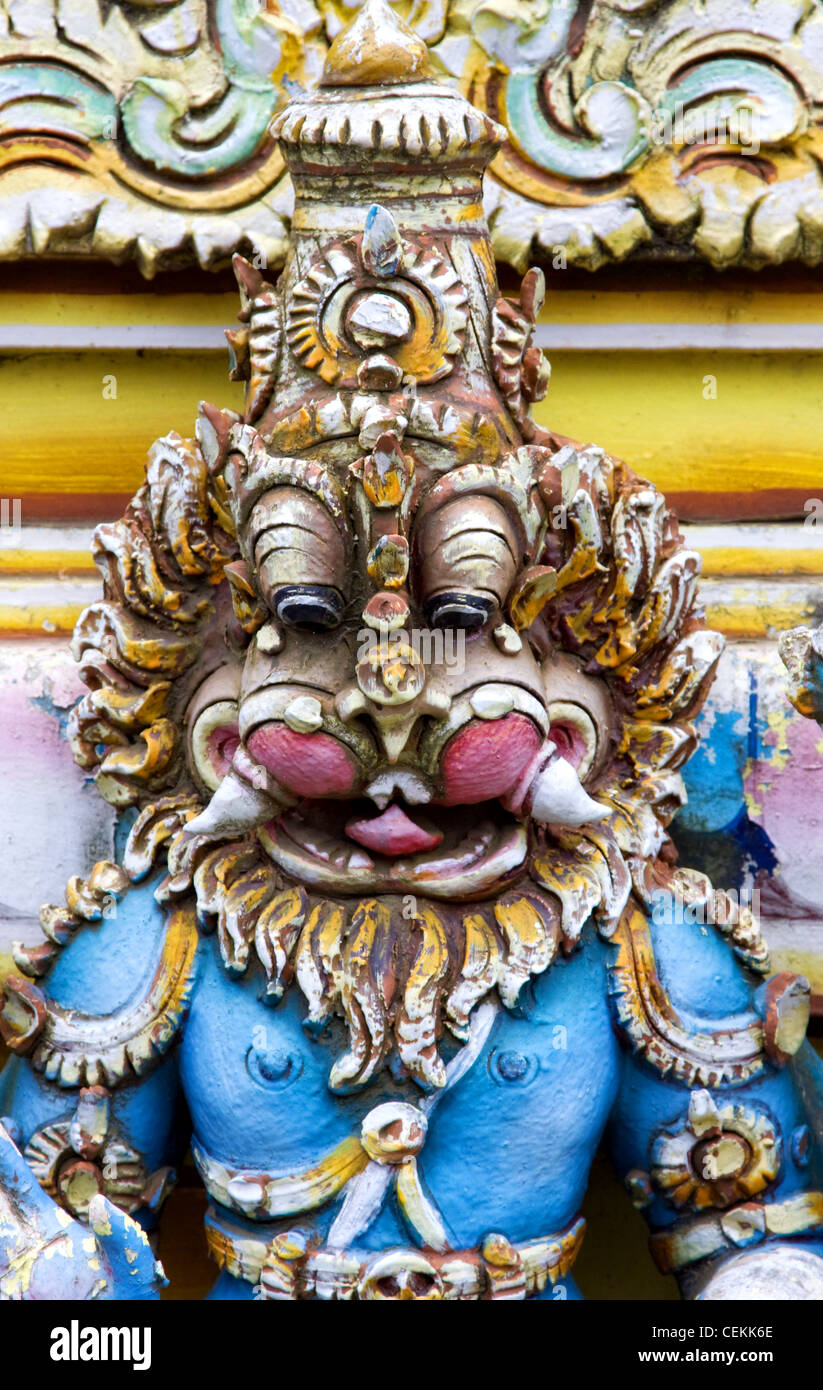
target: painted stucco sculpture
688 128
392 689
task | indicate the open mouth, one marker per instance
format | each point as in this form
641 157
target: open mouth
394 833
346 847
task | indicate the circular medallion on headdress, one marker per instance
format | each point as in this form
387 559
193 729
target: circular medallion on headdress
377 296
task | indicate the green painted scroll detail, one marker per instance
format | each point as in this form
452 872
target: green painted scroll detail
745 96
162 128
750 100
618 118
157 116
38 97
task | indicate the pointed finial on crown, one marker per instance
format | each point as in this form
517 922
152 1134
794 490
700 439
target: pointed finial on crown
378 99
376 49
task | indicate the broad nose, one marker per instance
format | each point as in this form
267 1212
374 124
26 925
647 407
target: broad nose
392 713
390 688
390 673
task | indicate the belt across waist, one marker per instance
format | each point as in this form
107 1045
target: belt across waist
290 1266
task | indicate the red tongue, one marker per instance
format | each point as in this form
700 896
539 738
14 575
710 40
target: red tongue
392 833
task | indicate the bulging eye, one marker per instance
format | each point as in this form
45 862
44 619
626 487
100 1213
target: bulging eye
468 556
300 559
458 610
313 607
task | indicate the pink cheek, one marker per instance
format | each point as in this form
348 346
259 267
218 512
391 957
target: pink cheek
220 748
485 759
305 764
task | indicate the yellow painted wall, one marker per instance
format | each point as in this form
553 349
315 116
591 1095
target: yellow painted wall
60 435
649 408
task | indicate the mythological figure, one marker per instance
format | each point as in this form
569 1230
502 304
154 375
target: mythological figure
392 688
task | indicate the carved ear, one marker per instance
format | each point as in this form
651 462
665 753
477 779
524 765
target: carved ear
533 293
248 610
300 557
249 280
211 725
213 740
469 552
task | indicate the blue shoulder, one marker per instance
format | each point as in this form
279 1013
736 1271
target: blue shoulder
694 1012
114 998
92 1093
697 966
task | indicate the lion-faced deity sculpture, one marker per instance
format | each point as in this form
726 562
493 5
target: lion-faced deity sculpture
442 723
391 685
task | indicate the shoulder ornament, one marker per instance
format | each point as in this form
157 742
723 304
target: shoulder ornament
772 1031
76 1049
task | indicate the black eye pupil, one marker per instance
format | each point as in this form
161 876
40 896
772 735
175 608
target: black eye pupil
315 607
466 611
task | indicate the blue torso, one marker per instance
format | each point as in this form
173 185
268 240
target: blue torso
509 1149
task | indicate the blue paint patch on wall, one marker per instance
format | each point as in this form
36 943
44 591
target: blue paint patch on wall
56 712
714 832
714 775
